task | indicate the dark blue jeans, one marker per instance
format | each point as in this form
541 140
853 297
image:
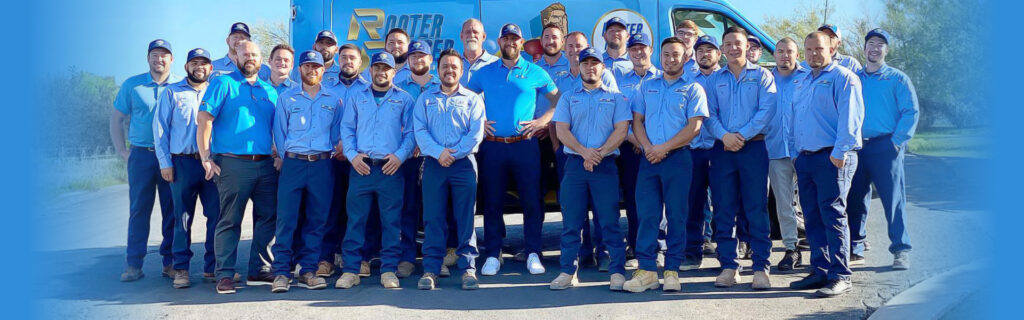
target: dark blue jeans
740 189
457 182
189 184
363 191
661 188
309 185
578 187
823 189
698 223
882 165
144 182
499 162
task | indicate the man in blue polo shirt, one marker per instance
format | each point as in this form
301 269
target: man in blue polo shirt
615 37
778 139
592 121
510 88
376 133
474 56
135 102
449 126
239 31
307 127
827 118
668 111
327 44
174 133
890 118
237 113
741 100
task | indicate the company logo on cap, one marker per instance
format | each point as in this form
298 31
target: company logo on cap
381 56
417 45
637 37
200 51
159 42
311 55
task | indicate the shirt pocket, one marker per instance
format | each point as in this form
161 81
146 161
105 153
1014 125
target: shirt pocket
298 119
606 112
325 114
748 93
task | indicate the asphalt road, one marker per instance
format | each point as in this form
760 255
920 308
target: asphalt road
82 242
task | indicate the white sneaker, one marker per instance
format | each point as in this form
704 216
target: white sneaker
491 267
534 265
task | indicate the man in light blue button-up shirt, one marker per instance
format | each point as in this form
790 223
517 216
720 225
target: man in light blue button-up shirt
741 100
828 112
474 56
890 118
135 102
616 38
449 127
174 132
376 133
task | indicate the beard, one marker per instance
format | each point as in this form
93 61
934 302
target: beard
816 62
551 51
591 80
380 82
510 52
311 80
445 82
472 45
613 46
419 71
873 59
399 58
328 56
347 73
706 63
198 78
248 68
674 72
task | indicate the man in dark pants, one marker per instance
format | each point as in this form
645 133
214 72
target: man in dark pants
890 118
136 100
376 135
174 133
237 112
828 112
698 223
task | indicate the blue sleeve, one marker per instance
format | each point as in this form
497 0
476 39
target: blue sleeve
765 107
474 82
714 126
622 112
850 104
562 113
161 129
608 80
336 124
906 102
348 129
544 82
636 102
122 103
280 129
471 141
408 143
697 105
426 141
215 95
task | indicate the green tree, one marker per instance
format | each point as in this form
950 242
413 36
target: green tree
270 34
80 104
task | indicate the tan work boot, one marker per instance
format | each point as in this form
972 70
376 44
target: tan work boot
761 281
347 280
641 281
168 271
564 281
470 281
324 269
445 272
427 281
728 278
450 259
616 281
364 269
281 284
181 279
671 281
405 269
311 281
389 280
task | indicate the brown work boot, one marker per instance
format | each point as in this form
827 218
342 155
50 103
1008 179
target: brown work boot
641 281
728 278
324 269
405 269
131 274
445 272
364 269
312 282
616 281
281 284
389 280
671 281
225 286
761 281
450 259
181 279
347 280
168 272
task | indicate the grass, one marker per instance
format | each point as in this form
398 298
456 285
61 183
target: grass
87 174
950 142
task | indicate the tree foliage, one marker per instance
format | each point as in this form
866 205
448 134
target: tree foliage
78 105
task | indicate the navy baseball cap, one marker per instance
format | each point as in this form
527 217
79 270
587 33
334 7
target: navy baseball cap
878 32
419 46
589 53
510 28
834 29
752 38
326 34
240 27
159 44
383 57
614 20
198 53
706 39
311 56
638 38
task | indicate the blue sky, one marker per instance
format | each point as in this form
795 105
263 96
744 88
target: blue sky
111 36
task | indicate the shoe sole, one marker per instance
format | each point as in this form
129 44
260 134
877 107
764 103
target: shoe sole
725 285
537 272
225 291
673 288
323 275
857 263
279 290
689 267
258 283
820 294
900 267
642 289
182 286
316 287
571 284
391 287
615 288
422 286
132 279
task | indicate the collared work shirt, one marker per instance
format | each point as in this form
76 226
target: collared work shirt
137 99
668 107
741 105
510 94
243 114
377 129
174 125
828 111
592 115
307 125
453 121
890 104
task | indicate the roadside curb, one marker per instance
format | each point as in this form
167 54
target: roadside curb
933 297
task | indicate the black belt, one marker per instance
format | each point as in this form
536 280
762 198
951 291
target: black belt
150 149
251 157
309 157
375 162
829 149
187 155
884 136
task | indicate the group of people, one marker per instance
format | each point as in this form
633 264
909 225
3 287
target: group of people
343 166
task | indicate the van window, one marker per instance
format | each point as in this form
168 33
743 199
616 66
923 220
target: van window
714 24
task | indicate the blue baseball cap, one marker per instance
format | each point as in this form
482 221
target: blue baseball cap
614 20
708 40
878 32
639 38
311 56
834 29
419 46
589 53
326 34
240 27
752 38
159 44
198 53
510 28
383 57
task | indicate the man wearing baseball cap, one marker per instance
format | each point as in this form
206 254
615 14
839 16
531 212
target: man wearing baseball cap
754 52
307 125
376 133
239 31
698 223
510 90
174 133
836 38
136 101
615 37
327 44
890 119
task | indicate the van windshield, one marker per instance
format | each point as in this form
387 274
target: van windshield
714 24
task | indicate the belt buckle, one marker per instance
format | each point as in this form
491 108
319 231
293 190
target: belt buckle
312 157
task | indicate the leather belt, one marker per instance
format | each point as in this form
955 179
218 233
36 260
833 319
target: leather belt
187 155
375 162
151 149
251 157
757 138
309 157
512 139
